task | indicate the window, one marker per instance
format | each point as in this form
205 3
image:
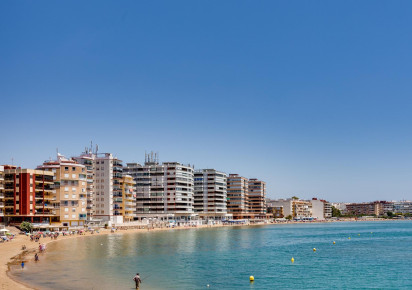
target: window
66 175
73 189
66 209
66 216
73 196
66 169
73 175
66 189
66 196
73 216
73 168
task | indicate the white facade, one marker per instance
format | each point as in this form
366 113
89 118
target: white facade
318 209
107 186
163 190
286 204
321 209
402 207
210 193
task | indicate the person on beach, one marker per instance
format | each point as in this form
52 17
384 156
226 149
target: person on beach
36 257
137 280
22 264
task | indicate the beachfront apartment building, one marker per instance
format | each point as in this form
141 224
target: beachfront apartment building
108 174
29 195
375 208
1 193
86 159
402 207
163 191
296 208
70 183
210 194
128 203
257 198
321 209
237 196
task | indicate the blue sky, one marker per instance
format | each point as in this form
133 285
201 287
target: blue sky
314 97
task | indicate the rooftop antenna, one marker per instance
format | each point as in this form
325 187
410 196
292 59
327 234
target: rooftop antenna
12 161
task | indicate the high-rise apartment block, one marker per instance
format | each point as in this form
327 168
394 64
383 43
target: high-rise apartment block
164 190
29 195
237 196
86 159
70 183
108 173
257 198
210 194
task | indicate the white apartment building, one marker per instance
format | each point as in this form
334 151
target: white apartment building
321 209
210 194
402 207
163 191
296 208
107 186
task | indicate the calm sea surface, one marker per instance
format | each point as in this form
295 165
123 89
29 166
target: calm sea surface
378 255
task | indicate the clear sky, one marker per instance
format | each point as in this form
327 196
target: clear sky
314 97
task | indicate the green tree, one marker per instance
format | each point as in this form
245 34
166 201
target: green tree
289 217
295 197
26 226
389 214
336 212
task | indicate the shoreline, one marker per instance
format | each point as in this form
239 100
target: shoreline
11 253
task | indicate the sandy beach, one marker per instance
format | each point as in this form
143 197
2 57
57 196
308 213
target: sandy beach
11 253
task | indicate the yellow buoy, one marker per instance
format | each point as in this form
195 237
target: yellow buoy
292 260
334 242
314 249
358 234
251 278
349 238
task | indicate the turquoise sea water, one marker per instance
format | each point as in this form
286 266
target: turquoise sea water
378 256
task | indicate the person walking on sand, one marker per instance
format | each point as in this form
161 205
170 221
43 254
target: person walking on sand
22 264
36 257
137 280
